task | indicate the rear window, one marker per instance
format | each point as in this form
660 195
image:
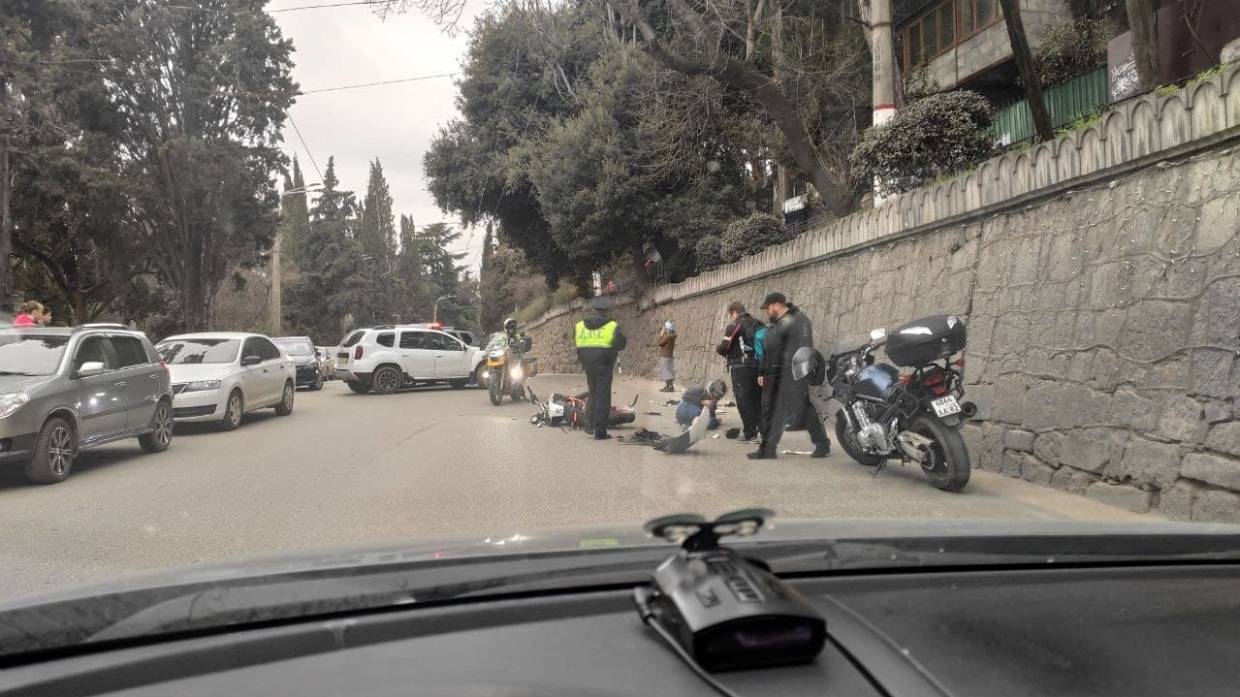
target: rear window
354 337
296 347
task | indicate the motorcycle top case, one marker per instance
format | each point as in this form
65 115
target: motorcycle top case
926 340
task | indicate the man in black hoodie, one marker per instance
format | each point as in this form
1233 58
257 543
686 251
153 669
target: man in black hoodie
783 398
598 340
738 348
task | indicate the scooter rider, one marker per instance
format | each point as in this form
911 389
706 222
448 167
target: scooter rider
598 340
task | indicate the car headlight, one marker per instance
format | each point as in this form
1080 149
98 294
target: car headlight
201 386
11 402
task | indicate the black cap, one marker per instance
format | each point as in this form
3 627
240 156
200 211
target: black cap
599 303
772 298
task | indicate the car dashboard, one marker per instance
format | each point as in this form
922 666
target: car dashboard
1125 630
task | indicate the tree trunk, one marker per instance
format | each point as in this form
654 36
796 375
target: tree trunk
1028 73
6 214
1143 21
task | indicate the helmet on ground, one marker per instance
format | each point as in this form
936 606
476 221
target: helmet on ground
808 365
717 388
510 325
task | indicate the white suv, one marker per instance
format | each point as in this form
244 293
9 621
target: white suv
384 359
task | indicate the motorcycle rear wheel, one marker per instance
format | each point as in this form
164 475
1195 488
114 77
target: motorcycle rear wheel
949 467
848 441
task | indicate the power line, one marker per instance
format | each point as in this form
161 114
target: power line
377 84
304 146
329 5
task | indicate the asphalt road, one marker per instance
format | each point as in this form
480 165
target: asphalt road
348 469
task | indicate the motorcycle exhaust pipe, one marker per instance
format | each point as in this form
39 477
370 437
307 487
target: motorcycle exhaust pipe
968 410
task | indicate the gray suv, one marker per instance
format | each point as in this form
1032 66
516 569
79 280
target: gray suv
62 390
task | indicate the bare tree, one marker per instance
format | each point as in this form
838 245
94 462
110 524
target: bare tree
701 50
1028 73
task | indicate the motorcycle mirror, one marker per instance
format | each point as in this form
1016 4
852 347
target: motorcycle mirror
877 335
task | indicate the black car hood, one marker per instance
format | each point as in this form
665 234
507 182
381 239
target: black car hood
449 568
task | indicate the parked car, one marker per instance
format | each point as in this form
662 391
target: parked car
388 358
220 376
327 362
64 390
466 336
305 360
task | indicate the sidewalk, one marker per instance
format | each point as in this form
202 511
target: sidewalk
715 473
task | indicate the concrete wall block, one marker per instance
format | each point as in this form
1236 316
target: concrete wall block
1148 462
1212 469
1216 506
1176 501
1016 439
1120 496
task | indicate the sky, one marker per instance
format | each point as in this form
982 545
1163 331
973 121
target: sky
349 45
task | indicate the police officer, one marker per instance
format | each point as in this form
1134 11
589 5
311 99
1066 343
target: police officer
517 341
598 340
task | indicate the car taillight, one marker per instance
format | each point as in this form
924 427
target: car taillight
357 353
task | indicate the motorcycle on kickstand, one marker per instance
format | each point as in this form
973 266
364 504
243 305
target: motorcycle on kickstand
507 370
882 414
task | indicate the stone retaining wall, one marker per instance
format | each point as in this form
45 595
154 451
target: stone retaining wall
1103 310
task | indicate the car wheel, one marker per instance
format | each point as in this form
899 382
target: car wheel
233 411
285 407
318 385
358 387
160 437
55 449
386 380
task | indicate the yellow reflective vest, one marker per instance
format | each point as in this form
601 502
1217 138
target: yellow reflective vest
603 337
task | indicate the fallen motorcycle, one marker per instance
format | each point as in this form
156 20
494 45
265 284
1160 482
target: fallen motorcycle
917 416
570 411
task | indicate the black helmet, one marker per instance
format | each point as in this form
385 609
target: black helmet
510 325
717 388
807 366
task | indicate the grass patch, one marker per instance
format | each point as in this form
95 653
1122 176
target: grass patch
536 307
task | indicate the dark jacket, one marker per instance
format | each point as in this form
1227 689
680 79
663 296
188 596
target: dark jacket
601 357
788 334
730 345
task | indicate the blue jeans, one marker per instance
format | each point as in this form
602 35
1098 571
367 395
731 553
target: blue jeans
686 412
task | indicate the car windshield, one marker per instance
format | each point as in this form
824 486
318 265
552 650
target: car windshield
31 354
696 214
194 351
296 347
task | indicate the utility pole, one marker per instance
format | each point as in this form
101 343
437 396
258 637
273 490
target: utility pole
277 297
6 205
883 57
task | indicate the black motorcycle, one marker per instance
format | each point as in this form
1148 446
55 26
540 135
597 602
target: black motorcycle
916 416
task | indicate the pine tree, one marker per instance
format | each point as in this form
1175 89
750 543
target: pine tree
377 231
295 216
332 293
443 273
411 276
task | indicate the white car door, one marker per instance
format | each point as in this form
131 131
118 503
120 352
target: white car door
417 356
276 369
255 378
451 358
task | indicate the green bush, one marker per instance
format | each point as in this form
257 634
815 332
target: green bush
939 135
1072 49
709 252
750 235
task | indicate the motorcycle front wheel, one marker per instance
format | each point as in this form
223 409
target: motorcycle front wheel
947 460
496 390
848 440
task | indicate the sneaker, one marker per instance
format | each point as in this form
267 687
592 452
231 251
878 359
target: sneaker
761 455
821 451
602 435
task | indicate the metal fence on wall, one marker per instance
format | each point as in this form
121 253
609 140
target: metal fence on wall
1075 99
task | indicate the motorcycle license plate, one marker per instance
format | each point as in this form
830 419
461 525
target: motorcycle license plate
945 406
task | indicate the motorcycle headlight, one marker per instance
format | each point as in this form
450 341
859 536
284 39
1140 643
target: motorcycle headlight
517 373
202 386
10 403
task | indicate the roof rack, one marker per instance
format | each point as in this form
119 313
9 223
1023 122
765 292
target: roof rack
101 325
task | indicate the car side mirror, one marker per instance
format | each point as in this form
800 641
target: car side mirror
251 360
90 368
